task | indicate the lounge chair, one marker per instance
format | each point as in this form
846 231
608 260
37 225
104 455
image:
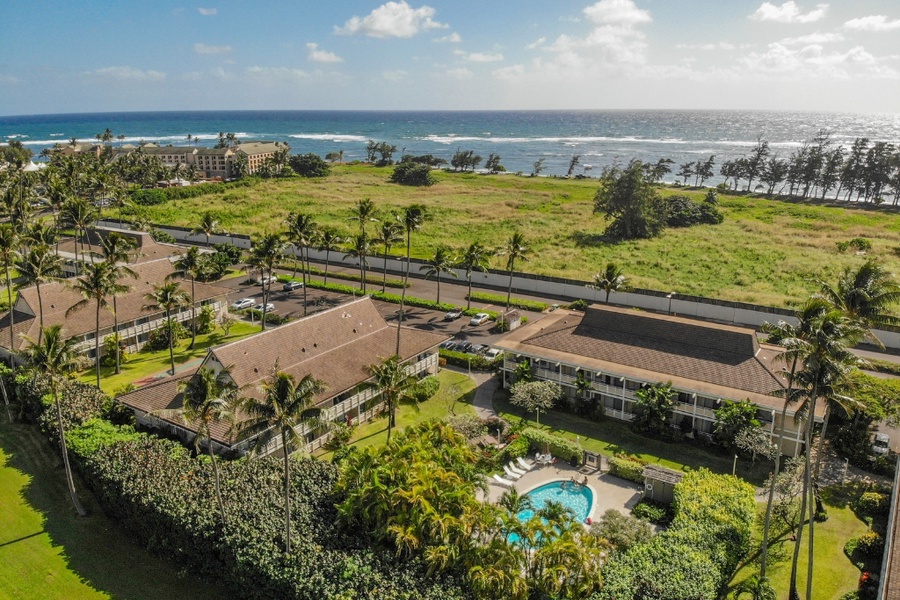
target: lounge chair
502 482
524 464
515 469
510 473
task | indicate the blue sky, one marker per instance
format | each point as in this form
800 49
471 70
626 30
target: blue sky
449 54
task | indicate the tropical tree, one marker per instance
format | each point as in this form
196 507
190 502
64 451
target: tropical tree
193 265
117 251
360 247
515 249
631 202
302 232
363 213
285 406
866 295
330 241
534 396
442 261
209 225
611 279
209 398
94 285
168 297
653 408
81 215
9 254
267 252
390 233
474 258
55 356
413 219
40 265
395 383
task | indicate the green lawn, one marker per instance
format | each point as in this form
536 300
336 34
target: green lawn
766 251
455 386
834 574
610 437
144 364
48 553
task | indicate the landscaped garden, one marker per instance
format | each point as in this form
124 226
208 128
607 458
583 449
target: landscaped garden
765 251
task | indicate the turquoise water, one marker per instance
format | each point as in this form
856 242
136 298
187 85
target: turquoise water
578 498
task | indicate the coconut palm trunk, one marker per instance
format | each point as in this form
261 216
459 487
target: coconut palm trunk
403 292
287 493
70 481
97 343
116 334
171 336
305 278
193 315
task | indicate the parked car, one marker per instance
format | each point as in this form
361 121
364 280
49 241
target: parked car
290 286
464 347
448 344
243 303
479 319
268 307
266 280
478 349
881 445
453 314
492 353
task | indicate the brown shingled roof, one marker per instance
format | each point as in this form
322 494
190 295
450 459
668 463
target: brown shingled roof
334 346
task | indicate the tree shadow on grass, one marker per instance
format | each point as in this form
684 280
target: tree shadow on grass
96 549
587 239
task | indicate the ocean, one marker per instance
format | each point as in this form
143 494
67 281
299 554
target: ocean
600 138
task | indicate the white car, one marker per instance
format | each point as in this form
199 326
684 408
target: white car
479 318
266 280
492 353
243 303
881 445
268 307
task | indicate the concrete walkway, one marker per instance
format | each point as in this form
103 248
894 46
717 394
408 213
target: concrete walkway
486 384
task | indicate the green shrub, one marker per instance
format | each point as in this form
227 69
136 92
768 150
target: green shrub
468 425
409 173
628 468
859 244
560 447
95 433
148 197
462 359
271 317
425 388
580 304
159 337
873 504
309 165
870 544
340 435
652 512
517 448
500 299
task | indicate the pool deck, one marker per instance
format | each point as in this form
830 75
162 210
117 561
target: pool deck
609 491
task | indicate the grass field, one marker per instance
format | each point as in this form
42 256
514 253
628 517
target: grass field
48 553
766 252
144 364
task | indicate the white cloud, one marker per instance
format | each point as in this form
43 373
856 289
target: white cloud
392 19
872 23
322 56
8 79
271 74
461 73
128 73
536 43
623 12
208 12
395 75
710 46
813 38
204 49
814 61
511 72
482 57
453 38
788 12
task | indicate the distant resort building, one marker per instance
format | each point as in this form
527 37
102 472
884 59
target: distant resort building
335 346
211 163
619 351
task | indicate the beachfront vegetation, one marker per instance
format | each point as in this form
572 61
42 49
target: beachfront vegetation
765 251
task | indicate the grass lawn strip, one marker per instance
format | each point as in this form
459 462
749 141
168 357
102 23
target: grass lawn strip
766 252
46 552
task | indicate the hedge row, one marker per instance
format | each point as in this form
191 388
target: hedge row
627 468
500 299
465 360
559 446
370 280
695 556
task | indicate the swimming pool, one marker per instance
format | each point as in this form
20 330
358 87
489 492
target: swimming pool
578 498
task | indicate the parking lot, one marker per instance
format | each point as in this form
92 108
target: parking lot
290 304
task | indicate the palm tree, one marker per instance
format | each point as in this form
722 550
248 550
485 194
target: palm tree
267 252
612 279
81 215
413 219
515 249
40 265
330 241
475 258
359 249
284 407
390 233
9 254
866 295
394 382
94 285
301 232
363 213
190 264
55 356
442 261
208 226
209 398
117 250
167 297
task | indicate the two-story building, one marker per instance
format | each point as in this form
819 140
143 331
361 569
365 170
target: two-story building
336 346
618 351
